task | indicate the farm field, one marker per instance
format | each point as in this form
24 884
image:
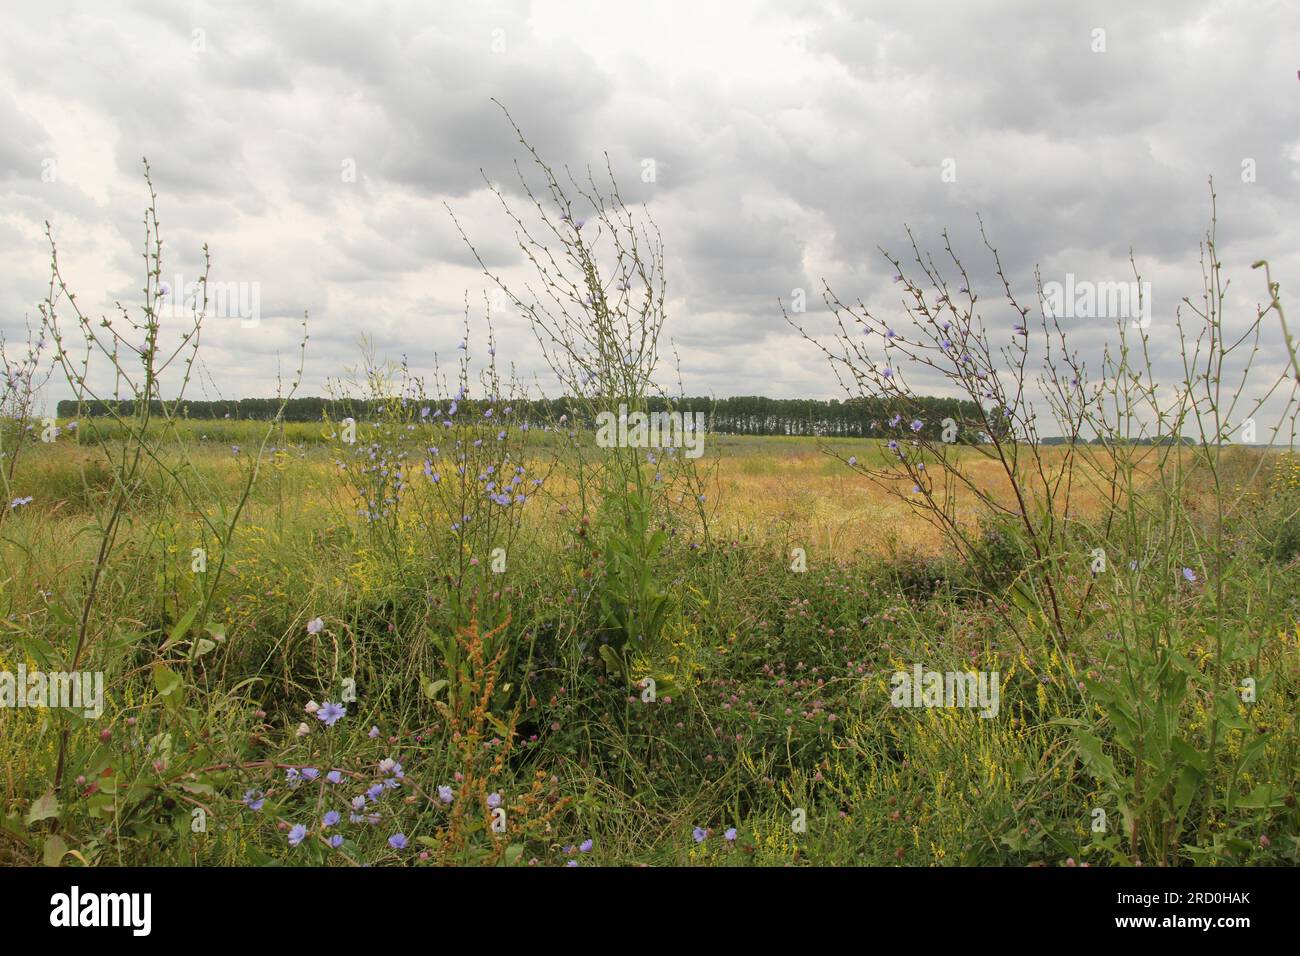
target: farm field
1006 573
376 685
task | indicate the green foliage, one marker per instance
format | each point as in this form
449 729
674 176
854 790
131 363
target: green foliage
351 676
632 604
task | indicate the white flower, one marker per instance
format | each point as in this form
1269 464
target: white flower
312 707
303 730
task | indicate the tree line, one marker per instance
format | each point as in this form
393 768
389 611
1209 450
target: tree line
738 415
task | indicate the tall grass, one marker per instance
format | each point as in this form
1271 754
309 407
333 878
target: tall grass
431 630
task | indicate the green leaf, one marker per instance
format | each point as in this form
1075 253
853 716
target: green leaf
182 626
258 858
1126 814
1185 789
125 639
101 805
1233 721
1188 754
1183 664
166 681
43 809
432 688
1021 598
1013 841
137 791
37 650
54 851
610 658
1228 711
11 826
1262 797
1252 751
1096 759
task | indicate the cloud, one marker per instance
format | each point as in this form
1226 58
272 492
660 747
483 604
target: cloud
315 148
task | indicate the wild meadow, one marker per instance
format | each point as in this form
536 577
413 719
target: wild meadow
434 628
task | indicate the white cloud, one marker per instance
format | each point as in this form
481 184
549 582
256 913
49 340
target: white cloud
790 141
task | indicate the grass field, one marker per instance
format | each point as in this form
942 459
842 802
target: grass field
450 626
570 680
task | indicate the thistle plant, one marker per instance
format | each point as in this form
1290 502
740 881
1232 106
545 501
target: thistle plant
19 391
1152 572
442 483
597 311
929 464
145 453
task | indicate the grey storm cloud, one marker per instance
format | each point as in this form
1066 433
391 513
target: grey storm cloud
315 147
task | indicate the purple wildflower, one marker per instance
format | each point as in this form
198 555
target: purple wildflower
330 713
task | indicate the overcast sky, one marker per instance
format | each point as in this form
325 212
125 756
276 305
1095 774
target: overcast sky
789 141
